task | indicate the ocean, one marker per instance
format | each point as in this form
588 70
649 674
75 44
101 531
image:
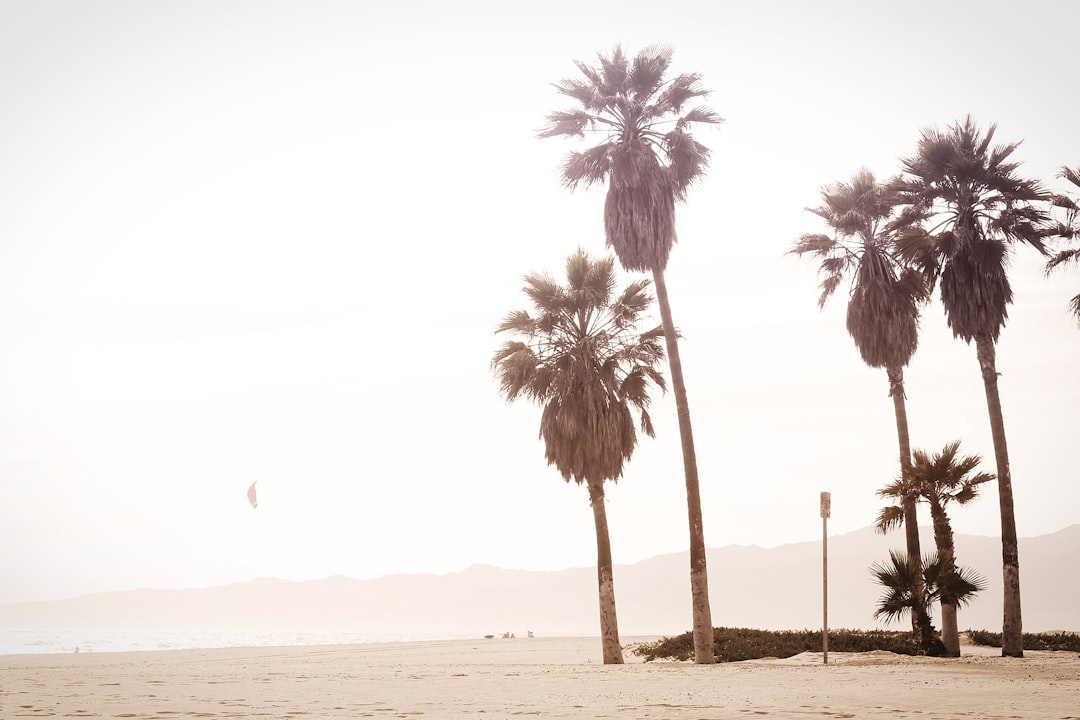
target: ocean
37 641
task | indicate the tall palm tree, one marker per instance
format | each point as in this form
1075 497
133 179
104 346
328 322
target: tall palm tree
1067 230
940 479
581 356
977 208
883 304
648 159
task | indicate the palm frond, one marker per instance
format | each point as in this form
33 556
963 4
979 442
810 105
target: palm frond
544 293
567 122
828 287
588 167
688 160
590 73
835 264
890 518
649 68
657 378
814 243
1066 203
614 70
899 489
1067 230
647 423
515 364
969 488
1071 175
961 586
682 89
701 114
518 321
898 578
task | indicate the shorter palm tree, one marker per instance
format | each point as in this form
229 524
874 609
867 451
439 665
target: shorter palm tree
940 479
1068 230
903 593
582 357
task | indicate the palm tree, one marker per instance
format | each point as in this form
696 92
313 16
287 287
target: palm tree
648 159
978 207
1069 229
883 305
908 591
940 479
581 357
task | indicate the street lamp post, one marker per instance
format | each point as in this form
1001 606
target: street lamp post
826 502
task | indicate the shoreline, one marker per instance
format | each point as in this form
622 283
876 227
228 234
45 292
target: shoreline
546 677
568 645
59 641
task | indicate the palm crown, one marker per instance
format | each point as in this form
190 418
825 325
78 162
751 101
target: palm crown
883 311
941 478
648 156
580 355
977 207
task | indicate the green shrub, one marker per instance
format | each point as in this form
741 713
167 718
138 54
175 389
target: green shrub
1032 641
734 644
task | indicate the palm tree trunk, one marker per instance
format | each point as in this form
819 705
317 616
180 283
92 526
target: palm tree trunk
699 576
911 521
950 631
609 623
943 539
1012 642
926 628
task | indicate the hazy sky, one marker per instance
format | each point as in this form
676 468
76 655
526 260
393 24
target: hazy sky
270 241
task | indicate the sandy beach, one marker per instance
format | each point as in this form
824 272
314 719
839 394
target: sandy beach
541 677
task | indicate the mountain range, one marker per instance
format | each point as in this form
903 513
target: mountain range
774 588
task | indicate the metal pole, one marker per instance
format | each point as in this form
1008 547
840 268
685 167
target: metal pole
825 511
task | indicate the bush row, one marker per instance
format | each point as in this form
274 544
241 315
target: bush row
734 644
1032 641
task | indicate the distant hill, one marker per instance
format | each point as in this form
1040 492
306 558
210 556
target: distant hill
749 586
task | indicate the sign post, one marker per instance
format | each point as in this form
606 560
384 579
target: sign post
826 502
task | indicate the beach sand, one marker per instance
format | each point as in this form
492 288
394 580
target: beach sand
537 677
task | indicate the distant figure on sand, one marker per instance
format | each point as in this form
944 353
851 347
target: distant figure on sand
251 496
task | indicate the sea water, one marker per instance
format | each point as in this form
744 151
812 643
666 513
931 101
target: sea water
17 642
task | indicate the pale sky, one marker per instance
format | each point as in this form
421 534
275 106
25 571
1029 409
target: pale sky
270 241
